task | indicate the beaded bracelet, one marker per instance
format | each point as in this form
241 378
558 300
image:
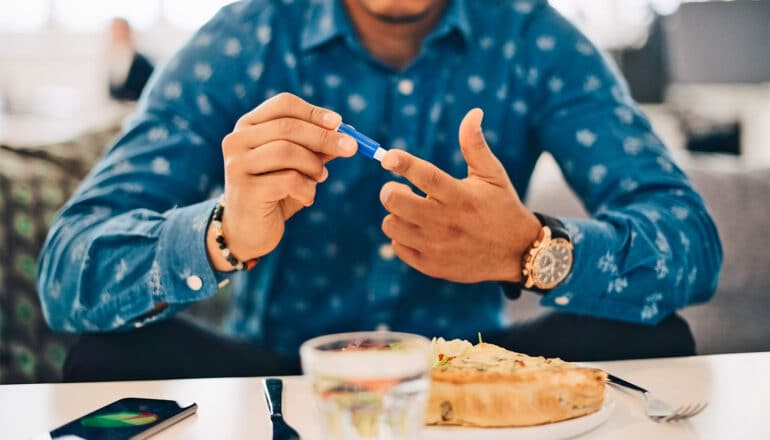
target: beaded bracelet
216 223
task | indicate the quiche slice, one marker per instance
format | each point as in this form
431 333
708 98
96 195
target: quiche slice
488 386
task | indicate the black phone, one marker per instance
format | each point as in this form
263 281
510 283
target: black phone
126 419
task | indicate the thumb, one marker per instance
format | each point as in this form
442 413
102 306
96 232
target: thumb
480 159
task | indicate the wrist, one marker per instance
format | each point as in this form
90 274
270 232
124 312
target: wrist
217 260
528 232
220 254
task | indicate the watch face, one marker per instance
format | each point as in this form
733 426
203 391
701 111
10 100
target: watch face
552 263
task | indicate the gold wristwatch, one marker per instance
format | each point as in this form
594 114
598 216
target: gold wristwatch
548 262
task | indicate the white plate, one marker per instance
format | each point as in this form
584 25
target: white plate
552 431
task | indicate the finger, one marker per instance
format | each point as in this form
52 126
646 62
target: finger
326 158
284 155
423 174
400 200
479 157
278 185
401 231
287 105
312 137
410 256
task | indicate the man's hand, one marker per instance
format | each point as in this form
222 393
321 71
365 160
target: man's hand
274 158
470 230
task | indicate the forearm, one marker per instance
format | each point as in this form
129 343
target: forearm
120 250
651 246
641 263
102 273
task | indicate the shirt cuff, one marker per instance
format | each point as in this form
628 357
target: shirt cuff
586 291
184 272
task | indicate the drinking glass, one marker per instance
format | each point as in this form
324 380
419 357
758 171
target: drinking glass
369 385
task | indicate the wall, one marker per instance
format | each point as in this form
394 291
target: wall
41 67
720 42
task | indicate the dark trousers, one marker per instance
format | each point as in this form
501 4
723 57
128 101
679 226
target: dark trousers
178 348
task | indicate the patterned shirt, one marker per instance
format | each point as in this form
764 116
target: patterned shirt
133 236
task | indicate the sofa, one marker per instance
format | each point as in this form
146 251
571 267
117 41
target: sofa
35 183
738 196
33 186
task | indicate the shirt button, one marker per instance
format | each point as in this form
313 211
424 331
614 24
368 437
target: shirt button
386 252
562 300
195 283
406 87
138 325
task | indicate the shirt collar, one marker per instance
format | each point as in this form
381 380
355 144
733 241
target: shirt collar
327 20
455 19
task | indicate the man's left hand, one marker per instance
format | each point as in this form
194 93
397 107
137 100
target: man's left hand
470 230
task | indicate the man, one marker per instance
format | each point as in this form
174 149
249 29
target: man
338 244
128 70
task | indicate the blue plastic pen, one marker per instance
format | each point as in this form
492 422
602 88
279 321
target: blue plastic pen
366 145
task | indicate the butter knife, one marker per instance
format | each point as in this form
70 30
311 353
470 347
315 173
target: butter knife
274 395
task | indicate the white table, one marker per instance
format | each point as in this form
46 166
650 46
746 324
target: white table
736 385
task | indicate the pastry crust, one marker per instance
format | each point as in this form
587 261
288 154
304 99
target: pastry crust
488 386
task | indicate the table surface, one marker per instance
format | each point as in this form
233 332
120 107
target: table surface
736 385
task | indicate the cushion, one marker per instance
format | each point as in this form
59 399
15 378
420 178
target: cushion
34 184
738 197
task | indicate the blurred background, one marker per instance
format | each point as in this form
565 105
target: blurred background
701 70
706 60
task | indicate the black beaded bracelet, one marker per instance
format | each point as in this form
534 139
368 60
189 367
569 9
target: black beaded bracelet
216 223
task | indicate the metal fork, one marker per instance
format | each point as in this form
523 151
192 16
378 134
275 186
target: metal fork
657 409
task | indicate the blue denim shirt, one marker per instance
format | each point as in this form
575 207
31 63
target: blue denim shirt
133 236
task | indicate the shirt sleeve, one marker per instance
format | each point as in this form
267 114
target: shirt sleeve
133 236
650 246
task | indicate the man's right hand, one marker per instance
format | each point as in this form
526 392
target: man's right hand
274 158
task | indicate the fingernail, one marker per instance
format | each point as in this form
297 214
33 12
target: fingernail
391 162
347 144
385 193
331 120
324 174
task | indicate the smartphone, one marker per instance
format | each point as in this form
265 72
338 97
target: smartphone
126 419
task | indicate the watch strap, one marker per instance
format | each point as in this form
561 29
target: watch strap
512 291
558 230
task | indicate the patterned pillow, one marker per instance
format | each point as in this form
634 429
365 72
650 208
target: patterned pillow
34 184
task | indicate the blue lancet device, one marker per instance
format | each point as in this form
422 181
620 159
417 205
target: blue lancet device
366 145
